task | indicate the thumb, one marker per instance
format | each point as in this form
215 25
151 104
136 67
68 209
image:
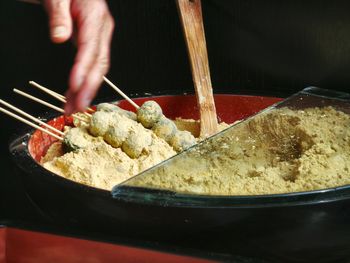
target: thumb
60 20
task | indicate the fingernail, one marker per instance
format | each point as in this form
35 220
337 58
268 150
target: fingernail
59 31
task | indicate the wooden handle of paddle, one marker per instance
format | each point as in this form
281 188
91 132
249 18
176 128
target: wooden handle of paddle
190 12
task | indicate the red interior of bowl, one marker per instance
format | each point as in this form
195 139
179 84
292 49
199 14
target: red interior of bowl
229 109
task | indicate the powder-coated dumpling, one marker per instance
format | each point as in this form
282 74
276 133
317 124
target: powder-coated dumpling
165 129
129 114
136 142
75 139
149 113
69 146
182 140
109 107
99 123
116 135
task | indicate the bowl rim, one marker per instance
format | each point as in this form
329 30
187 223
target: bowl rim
19 152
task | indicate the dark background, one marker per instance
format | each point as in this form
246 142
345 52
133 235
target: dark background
256 47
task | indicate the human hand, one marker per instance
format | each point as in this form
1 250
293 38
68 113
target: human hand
92 26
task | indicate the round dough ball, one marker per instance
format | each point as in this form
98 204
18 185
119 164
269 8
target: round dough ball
129 114
149 113
109 107
182 140
75 139
116 135
136 142
165 129
99 123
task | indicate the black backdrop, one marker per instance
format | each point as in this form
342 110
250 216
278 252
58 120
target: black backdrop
268 47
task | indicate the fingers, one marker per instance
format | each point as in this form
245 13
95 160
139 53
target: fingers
60 20
89 89
94 33
88 43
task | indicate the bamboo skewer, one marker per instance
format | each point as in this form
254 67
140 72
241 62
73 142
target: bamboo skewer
120 92
87 114
48 91
78 117
38 100
44 103
63 98
30 117
55 95
29 123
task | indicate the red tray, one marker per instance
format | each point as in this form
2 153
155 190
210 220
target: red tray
18 245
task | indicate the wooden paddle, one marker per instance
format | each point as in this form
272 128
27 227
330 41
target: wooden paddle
190 12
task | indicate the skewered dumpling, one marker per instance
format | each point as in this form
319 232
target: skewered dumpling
117 129
116 135
120 131
136 142
149 113
165 129
182 140
102 121
99 123
77 138
109 107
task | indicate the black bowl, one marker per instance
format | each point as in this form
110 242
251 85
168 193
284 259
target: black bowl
296 227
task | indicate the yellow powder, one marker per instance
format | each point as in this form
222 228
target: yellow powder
193 126
102 166
278 151
54 150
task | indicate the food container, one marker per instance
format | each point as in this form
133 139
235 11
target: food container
296 227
